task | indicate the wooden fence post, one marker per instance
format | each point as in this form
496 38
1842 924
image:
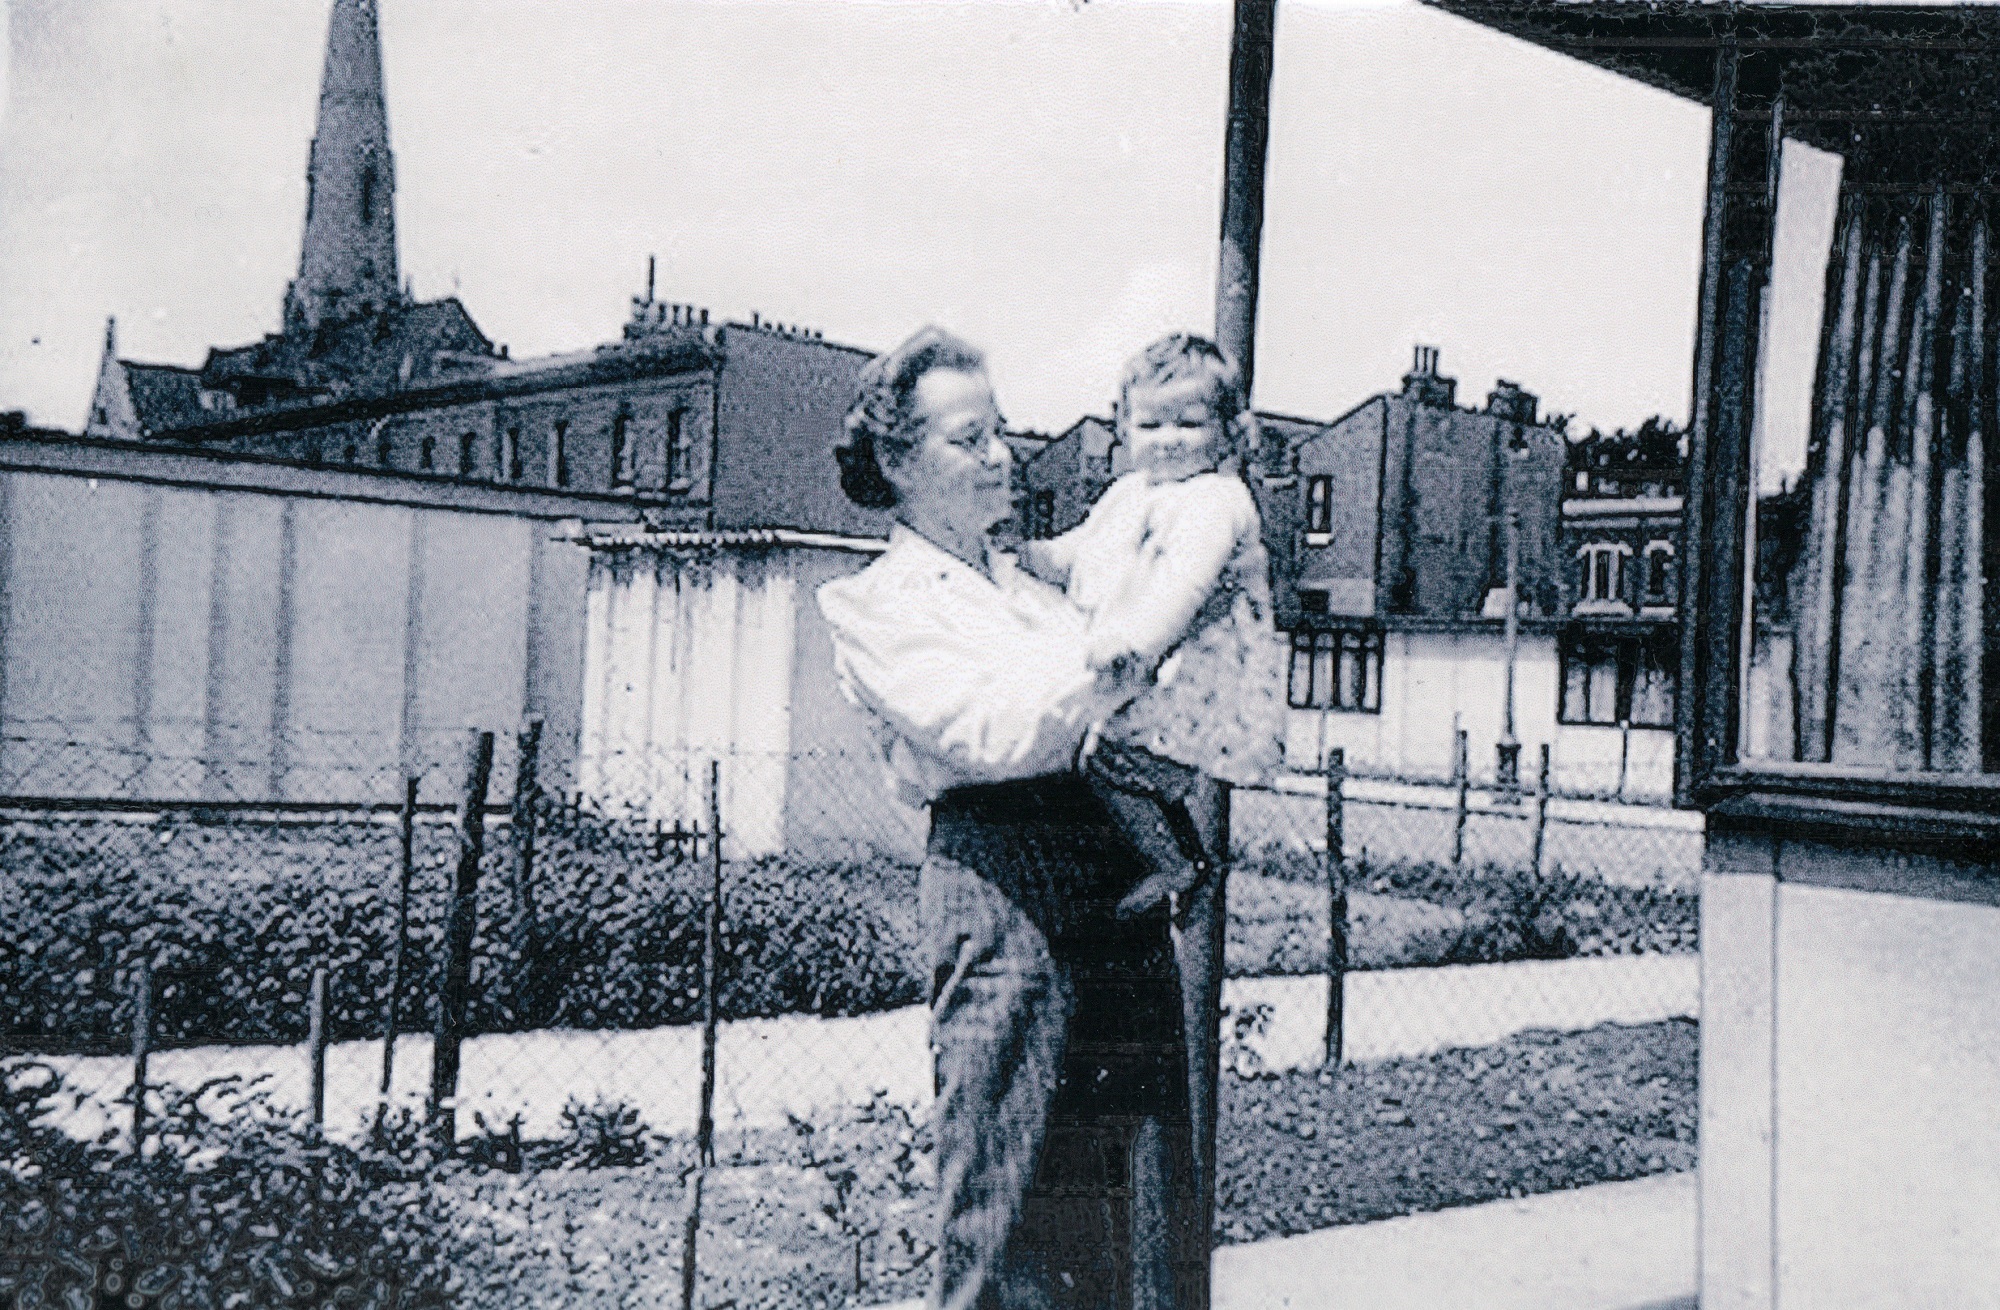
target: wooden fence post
316 1042
450 1031
1461 771
1541 810
711 931
142 1048
528 962
1336 886
399 949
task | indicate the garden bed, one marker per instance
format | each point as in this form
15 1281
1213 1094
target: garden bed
784 1217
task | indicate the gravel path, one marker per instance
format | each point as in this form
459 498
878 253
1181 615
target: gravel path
768 1068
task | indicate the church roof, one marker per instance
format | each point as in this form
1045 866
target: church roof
163 395
404 346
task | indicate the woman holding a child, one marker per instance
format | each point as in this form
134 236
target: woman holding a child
1067 718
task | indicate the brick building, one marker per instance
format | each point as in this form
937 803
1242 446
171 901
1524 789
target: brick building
1621 531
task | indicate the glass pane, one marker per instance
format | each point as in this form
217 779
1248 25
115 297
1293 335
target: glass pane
1322 671
1864 639
1576 674
1601 694
1301 679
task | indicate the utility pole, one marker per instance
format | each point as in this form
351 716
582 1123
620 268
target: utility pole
1199 932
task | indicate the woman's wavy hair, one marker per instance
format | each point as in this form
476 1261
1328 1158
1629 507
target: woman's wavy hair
879 421
1179 356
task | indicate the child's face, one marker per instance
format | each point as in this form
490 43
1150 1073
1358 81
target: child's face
1173 427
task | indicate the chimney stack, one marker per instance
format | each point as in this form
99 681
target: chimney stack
1424 385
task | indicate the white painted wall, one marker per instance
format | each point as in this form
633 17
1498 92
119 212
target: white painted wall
1850 1073
155 642
1433 683
702 653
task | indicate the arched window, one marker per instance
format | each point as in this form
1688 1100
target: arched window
1319 506
1659 573
621 457
559 454
1601 573
510 454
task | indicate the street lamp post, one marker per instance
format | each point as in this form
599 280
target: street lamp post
1508 748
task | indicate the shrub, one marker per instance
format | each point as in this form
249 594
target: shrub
234 1203
236 917
1516 914
601 1134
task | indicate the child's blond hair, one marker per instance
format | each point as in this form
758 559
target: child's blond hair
1180 356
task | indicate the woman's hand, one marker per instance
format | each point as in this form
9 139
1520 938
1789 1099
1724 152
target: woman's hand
1107 646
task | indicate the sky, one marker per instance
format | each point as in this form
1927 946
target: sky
1042 176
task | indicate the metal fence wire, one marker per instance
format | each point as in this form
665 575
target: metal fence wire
697 981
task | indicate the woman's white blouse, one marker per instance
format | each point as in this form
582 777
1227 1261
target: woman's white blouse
969 679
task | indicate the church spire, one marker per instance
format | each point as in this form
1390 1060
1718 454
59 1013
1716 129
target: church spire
347 263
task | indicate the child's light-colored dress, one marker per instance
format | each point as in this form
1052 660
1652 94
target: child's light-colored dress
1218 700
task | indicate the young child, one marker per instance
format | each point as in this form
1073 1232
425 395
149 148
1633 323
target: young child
1171 570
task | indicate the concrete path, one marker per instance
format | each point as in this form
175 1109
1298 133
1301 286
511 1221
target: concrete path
1617 1246
768 1068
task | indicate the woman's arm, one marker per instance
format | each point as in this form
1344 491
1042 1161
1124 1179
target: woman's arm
981 692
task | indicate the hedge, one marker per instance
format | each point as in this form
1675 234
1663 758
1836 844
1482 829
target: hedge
236 918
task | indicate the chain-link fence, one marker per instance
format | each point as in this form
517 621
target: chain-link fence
586 995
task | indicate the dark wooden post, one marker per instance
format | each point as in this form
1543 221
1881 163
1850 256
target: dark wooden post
399 949
1336 886
1461 776
1246 148
1541 812
1198 943
704 1134
316 1042
142 1049
711 931
450 1031
528 962
1624 754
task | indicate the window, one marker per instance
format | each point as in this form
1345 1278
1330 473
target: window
1312 602
1319 507
680 453
1659 574
559 454
1336 671
427 454
312 450
1620 678
510 454
350 452
384 449
1601 573
621 464
468 453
